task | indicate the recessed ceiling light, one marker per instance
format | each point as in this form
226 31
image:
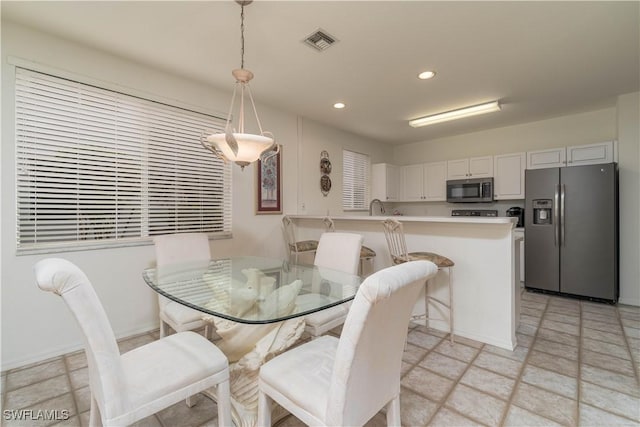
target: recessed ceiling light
425 75
339 105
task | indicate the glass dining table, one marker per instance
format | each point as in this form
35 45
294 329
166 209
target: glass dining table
256 306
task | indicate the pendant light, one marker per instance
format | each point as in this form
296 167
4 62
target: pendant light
235 144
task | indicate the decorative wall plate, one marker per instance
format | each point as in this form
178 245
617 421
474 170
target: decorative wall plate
325 184
325 166
325 170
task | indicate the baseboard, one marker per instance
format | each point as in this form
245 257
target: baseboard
629 301
44 356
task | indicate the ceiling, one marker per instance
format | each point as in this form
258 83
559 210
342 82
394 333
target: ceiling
540 59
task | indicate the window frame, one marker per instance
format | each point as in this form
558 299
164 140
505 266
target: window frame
145 236
356 180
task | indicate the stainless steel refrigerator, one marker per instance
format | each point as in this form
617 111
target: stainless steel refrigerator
571 230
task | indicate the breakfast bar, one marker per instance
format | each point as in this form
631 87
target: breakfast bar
485 279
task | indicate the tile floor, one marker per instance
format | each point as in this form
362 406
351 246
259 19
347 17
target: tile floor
577 364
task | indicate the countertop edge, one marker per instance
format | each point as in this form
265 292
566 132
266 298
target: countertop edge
512 221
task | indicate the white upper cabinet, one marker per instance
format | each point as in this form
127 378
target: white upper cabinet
385 182
603 152
508 181
424 182
552 158
474 167
575 155
435 181
412 183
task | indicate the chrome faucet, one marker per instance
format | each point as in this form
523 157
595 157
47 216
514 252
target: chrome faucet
371 206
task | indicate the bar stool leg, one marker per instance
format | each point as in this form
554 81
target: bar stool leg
450 305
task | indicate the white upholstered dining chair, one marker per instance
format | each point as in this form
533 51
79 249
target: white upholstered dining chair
131 386
346 381
366 253
341 252
174 249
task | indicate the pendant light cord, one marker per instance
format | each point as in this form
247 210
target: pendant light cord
242 35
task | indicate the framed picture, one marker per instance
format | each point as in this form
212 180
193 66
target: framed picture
269 184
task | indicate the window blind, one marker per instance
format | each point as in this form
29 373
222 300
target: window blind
356 169
98 167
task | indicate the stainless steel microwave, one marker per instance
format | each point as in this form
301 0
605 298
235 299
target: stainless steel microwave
470 190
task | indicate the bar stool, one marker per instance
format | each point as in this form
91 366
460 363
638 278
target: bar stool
366 253
394 234
296 247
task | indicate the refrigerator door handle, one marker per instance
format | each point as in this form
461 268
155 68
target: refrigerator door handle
556 216
562 215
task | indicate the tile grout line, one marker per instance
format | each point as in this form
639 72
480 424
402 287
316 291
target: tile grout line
73 394
516 386
634 362
457 382
580 349
624 335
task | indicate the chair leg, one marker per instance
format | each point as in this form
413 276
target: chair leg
190 401
393 412
94 414
450 306
163 329
224 404
264 410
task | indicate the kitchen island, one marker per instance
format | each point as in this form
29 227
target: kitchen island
486 284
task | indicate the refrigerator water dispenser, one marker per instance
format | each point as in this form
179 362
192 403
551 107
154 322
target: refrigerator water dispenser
542 211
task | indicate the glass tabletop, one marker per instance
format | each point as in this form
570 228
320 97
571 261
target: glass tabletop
253 290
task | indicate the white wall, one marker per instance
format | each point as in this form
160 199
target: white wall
628 123
585 128
619 122
35 325
317 138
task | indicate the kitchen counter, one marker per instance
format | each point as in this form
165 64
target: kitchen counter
485 277
402 218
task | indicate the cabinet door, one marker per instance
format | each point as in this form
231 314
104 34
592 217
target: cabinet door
458 169
385 182
435 181
603 152
393 183
552 158
411 178
481 167
509 176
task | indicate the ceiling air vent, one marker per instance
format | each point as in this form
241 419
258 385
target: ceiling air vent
320 40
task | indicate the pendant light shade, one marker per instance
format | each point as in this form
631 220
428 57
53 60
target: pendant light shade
249 147
234 144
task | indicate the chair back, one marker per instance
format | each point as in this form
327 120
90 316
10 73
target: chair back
289 232
181 247
366 372
329 226
394 234
106 375
339 251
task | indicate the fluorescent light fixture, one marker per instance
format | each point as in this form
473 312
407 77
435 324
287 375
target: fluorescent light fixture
455 114
339 105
